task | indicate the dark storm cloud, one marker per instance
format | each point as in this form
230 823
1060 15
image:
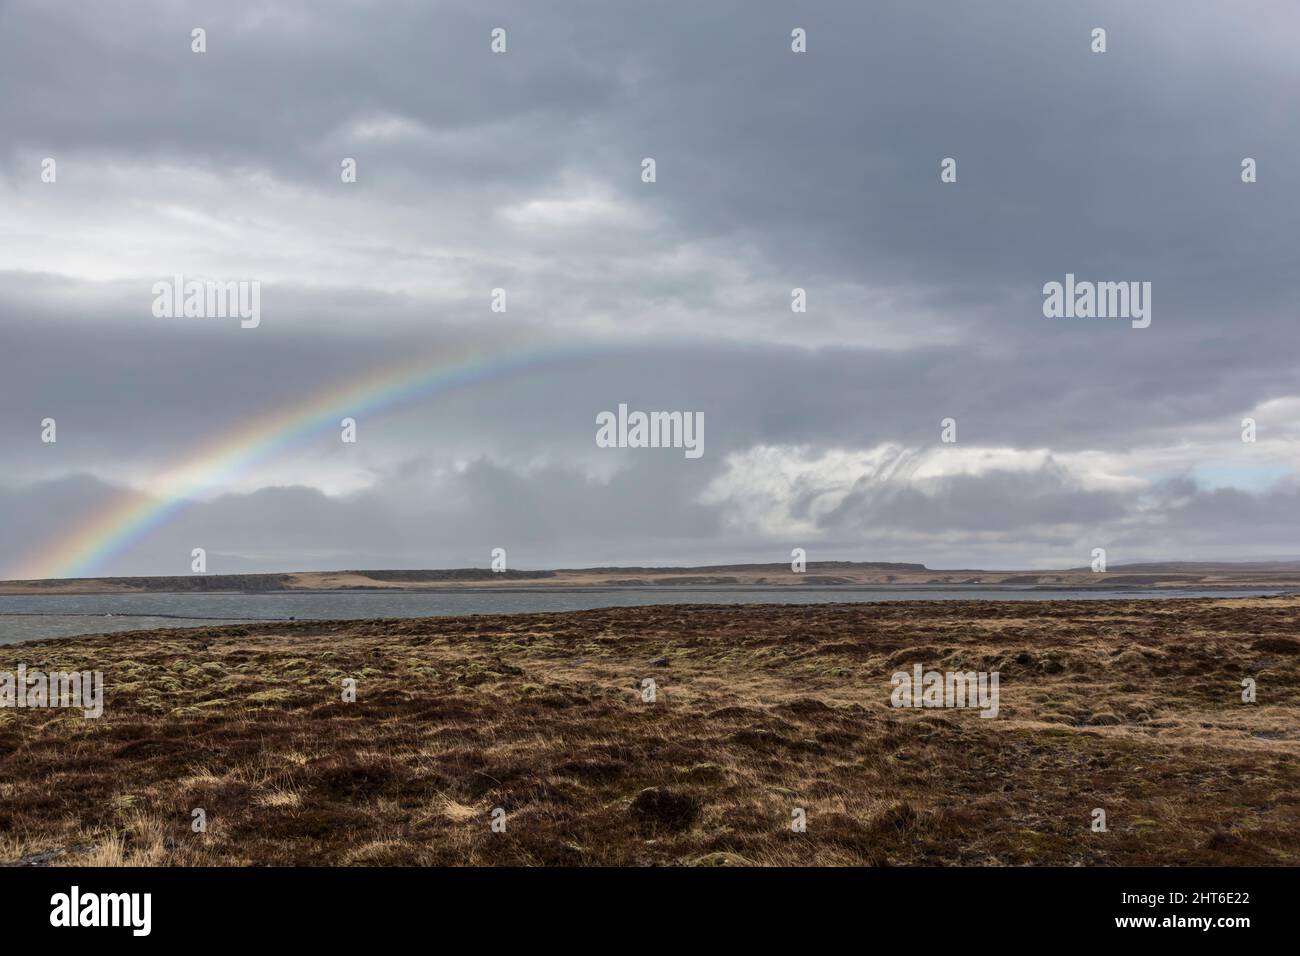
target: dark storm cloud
1118 163
148 389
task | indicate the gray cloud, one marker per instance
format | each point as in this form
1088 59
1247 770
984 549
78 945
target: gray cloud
775 171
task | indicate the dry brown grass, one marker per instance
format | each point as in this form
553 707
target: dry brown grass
1129 706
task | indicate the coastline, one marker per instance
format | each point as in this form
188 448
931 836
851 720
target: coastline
818 574
28 617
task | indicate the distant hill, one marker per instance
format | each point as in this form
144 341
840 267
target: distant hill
1174 574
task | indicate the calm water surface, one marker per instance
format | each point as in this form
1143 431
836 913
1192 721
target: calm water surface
30 616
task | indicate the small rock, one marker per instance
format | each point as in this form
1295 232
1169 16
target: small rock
47 857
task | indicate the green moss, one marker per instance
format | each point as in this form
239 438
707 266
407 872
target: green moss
271 695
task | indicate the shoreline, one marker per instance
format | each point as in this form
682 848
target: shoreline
35 622
816 574
688 589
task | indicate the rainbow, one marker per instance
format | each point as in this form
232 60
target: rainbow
133 515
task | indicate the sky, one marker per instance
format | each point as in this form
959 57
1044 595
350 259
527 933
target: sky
523 171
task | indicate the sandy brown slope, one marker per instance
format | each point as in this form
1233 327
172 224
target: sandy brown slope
1172 575
1133 707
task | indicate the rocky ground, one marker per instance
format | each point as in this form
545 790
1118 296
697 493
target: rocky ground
1132 707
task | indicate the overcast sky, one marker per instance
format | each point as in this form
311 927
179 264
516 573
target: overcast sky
774 170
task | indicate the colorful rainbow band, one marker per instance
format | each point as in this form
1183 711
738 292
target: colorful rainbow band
85 549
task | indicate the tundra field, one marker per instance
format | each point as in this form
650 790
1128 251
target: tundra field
1134 707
